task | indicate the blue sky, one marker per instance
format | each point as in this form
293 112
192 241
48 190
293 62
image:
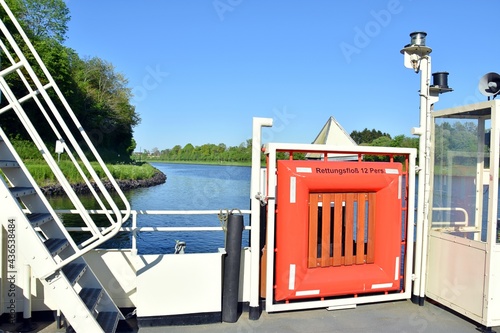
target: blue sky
200 70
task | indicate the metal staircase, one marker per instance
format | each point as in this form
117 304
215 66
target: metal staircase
34 230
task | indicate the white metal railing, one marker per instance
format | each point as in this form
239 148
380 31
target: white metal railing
453 226
38 92
135 230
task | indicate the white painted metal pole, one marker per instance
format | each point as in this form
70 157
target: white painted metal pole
271 224
418 236
424 177
410 224
257 125
490 309
421 131
27 293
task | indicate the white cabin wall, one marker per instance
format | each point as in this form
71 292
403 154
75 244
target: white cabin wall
493 301
173 284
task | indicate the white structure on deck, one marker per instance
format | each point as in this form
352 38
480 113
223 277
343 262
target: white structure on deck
333 134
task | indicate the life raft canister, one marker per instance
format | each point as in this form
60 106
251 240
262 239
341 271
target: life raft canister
338 228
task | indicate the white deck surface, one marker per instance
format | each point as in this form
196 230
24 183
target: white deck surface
400 317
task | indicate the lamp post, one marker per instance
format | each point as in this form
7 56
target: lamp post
417 57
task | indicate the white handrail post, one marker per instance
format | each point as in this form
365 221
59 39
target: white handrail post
134 232
258 123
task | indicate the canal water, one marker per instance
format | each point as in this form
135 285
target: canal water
188 187
191 187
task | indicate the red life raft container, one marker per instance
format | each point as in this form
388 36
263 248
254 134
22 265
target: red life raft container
338 228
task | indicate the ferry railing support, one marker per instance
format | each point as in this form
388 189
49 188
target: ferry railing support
255 206
135 230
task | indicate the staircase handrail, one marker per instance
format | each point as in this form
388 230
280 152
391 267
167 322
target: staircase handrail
14 103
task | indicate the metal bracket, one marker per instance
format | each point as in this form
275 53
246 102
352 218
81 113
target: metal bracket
53 277
261 198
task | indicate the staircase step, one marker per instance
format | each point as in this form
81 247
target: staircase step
56 245
22 191
74 271
37 219
108 321
91 297
8 164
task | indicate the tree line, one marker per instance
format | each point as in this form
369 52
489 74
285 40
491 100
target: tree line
454 139
96 92
220 153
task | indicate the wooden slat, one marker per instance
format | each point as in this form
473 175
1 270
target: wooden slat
349 226
321 253
360 232
325 231
370 253
337 229
313 230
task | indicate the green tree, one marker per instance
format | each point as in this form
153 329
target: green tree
175 152
456 136
367 136
106 108
96 92
188 152
42 19
45 23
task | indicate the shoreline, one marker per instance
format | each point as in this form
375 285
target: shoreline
125 185
246 164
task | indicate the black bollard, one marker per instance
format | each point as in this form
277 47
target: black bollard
232 261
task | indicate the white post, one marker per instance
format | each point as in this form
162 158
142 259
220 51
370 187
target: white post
27 292
416 56
421 185
258 123
422 131
424 161
27 323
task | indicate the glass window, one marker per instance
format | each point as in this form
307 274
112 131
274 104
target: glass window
460 191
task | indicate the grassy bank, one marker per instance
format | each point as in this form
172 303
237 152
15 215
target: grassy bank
44 176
